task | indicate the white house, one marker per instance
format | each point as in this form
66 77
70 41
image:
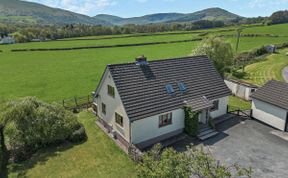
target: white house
7 40
241 89
141 102
270 104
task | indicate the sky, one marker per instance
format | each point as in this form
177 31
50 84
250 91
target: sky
132 8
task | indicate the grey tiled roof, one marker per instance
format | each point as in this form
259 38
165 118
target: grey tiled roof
273 92
199 103
142 88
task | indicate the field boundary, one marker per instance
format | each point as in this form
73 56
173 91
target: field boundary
104 46
76 103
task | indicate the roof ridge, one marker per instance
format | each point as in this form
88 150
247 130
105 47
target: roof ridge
159 60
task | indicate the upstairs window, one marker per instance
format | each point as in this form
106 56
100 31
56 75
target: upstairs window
215 105
165 119
118 119
182 87
169 89
104 108
111 91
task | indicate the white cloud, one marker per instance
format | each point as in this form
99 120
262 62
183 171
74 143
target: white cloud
80 6
266 3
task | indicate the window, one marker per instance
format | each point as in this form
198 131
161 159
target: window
111 91
182 87
253 90
165 119
169 89
103 108
215 105
119 119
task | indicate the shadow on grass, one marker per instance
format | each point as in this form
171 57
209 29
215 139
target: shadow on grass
40 157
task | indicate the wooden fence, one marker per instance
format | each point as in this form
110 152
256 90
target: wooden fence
76 103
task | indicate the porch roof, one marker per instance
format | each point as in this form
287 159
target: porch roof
199 103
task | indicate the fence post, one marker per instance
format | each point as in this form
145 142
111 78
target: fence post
63 103
75 101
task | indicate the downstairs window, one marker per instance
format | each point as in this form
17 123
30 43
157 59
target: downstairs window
165 119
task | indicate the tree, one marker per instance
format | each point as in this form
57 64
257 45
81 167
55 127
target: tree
168 163
218 51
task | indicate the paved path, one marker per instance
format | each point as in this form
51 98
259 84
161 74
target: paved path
285 74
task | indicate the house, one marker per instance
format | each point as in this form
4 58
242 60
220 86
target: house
241 89
270 104
271 48
7 40
141 103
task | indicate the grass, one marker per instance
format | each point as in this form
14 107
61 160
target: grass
97 157
98 41
57 75
271 68
235 102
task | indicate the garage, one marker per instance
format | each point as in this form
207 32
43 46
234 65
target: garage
270 104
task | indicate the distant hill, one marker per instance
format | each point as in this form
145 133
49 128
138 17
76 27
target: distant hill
207 14
16 11
26 12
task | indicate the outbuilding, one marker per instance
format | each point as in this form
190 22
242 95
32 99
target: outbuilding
270 104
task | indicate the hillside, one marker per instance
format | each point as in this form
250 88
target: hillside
15 11
207 14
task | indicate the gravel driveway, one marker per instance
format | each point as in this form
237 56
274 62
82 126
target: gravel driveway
248 143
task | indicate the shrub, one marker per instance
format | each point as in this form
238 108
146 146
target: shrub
78 135
33 124
191 121
194 163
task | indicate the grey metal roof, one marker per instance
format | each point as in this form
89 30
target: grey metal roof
273 92
143 88
199 103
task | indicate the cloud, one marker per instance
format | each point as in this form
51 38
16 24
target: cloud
80 6
266 3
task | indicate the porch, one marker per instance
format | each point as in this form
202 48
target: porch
202 105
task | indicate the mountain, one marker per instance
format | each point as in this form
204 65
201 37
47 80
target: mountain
207 14
15 11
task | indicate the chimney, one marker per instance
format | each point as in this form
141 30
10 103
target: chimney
141 60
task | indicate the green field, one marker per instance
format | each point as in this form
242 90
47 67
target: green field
99 157
57 75
271 68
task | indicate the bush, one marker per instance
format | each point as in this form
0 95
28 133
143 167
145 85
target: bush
78 135
33 124
191 121
238 74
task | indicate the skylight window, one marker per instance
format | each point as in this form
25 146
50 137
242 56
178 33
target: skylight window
170 89
182 87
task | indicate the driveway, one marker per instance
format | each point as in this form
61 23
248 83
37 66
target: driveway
248 143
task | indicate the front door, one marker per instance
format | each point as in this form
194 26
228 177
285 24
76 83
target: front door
203 118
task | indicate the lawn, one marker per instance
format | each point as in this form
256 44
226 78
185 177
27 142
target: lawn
271 68
97 157
238 103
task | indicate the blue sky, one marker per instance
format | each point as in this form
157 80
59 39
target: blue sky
130 8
